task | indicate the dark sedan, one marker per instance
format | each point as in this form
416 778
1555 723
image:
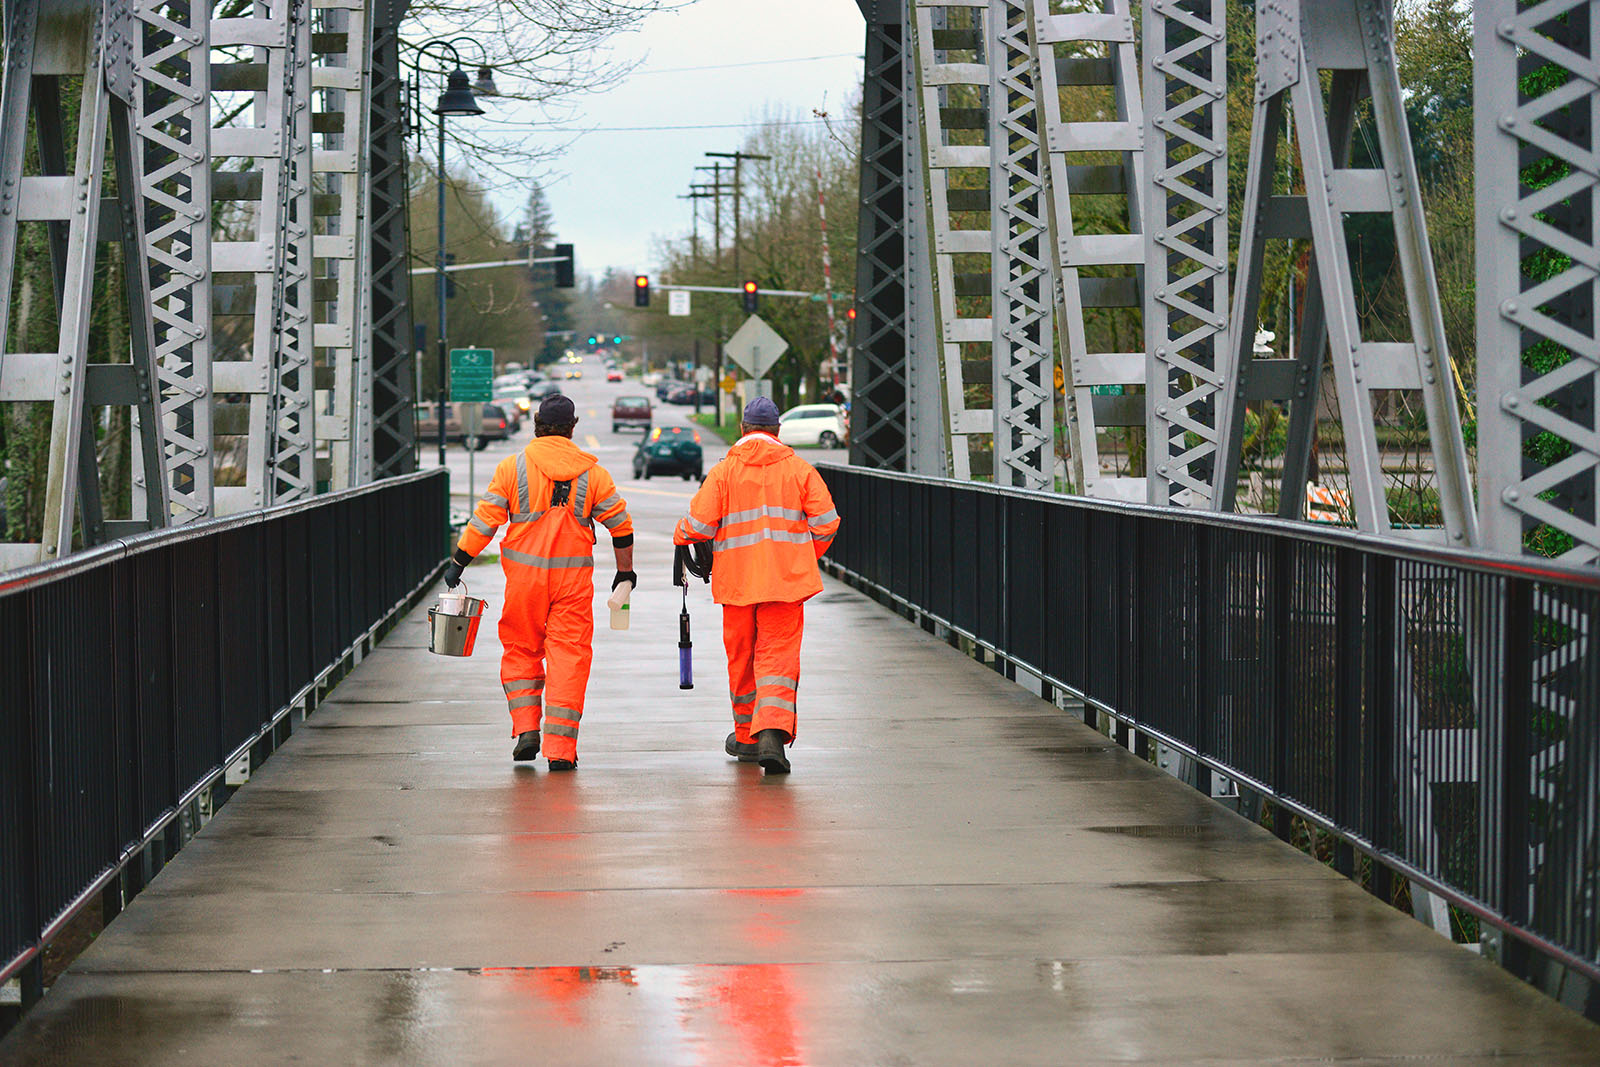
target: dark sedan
669 450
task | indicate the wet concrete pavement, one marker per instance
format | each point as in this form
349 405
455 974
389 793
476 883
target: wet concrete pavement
956 873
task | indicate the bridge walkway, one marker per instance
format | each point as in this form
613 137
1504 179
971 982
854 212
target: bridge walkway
956 873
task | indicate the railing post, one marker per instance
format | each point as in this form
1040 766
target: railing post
1205 702
1380 689
1282 598
1516 670
1349 621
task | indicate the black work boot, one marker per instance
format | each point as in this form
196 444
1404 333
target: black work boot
745 750
527 745
769 752
563 764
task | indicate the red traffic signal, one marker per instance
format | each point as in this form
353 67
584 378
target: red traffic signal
850 313
641 290
752 296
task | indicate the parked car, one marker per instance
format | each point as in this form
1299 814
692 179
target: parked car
814 424
686 395
665 386
543 389
496 424
633 412
613 375
669 450
652 379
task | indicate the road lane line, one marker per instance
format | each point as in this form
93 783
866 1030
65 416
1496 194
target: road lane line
590 439
659 492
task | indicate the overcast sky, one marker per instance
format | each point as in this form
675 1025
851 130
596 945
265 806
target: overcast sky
616 188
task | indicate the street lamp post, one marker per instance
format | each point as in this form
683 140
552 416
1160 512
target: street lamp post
457 99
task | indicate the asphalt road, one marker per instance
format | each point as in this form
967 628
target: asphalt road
592 395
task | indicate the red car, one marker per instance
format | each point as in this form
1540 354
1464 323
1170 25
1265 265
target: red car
632 411
613 375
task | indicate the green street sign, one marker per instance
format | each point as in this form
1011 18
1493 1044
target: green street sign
471 371
1105 390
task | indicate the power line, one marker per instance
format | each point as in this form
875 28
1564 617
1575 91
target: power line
533 128
750 63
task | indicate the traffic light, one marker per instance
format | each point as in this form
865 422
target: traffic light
850 314
641 290
593 339
616 340
752 297
564 269
449 278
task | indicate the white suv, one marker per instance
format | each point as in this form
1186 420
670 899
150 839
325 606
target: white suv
813 424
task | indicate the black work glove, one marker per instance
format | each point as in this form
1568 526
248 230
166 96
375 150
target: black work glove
680 557
702 560
624 576
459 562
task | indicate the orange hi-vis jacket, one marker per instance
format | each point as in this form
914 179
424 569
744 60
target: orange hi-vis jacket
769 518
519 493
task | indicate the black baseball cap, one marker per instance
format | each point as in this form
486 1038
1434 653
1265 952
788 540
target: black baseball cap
557 410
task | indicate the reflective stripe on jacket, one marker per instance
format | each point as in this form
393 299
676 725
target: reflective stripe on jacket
769 517
520 493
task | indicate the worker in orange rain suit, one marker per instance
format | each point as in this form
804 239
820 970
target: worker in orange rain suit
552 493
769 518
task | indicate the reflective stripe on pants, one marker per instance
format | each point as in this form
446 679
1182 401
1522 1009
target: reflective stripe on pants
763 645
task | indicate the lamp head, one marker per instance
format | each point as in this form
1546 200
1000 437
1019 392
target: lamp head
484 85
457 98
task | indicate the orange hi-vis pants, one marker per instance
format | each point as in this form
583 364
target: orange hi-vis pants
763 643
547 629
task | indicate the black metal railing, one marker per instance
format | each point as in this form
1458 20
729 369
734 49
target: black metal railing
132 674
1436 710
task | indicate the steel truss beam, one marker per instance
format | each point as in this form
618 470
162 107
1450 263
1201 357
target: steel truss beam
1538 240
392 414
91 43
1538 257
1095 271
172 42
1021 274
339 124
253 168
291 433
959 337
1186 245
1296 41
879 373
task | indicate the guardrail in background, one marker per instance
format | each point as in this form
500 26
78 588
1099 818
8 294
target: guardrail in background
1436 710
135 672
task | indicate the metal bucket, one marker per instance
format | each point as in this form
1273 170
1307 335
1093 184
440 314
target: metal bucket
453 623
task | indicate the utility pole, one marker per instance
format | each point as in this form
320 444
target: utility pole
697 192
716 188
738 163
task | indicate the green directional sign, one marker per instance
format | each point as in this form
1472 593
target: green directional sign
1105 390
471 371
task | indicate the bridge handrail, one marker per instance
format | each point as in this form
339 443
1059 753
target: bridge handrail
1433 709
137 671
